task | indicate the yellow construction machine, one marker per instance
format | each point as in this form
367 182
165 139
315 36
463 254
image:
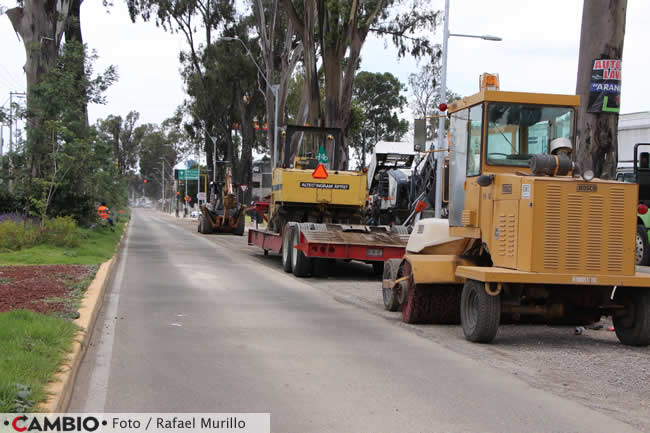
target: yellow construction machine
315 214
224 213
530 235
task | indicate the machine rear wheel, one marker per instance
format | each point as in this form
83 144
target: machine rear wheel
241 225
287 243
642 251
480 313
301 264
633 328
391 301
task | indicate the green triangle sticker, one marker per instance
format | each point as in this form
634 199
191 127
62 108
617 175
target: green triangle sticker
321 156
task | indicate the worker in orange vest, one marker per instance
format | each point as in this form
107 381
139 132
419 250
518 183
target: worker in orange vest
104 213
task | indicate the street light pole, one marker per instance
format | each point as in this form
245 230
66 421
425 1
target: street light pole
443 98
441 121
163 184
274 89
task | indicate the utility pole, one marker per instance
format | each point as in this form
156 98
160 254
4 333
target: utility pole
163 184
598 84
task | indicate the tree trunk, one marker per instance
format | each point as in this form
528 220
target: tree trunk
40 24
73 33
311 71
603 31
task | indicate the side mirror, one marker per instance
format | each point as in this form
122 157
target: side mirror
485 179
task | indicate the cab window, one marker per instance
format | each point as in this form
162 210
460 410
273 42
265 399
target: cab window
516 132
474 140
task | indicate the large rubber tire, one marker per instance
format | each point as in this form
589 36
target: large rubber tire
480 313
633 329
241 225
287 242
391 301
642 252
204 225
301 264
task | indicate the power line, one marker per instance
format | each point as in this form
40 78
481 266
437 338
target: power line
6 83
12 77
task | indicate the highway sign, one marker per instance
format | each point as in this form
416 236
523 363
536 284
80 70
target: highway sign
188 174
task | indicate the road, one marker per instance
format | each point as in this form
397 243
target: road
191 325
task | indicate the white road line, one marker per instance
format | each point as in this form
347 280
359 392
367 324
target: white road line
100 374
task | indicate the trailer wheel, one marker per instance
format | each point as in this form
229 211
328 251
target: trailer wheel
287 242
633 328
301 264
480 313
642 252
391 301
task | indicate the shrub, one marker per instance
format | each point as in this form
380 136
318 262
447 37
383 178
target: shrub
15 236
60 232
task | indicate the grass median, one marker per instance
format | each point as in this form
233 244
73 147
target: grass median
33 345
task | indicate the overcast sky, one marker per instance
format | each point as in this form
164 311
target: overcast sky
539 53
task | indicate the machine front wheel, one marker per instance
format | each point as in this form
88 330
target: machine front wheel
391 300
480 313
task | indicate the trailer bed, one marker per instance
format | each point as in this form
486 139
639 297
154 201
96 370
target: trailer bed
339 241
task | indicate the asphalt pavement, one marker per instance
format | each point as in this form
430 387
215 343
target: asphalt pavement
190 325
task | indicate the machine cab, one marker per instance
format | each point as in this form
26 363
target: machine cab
495 132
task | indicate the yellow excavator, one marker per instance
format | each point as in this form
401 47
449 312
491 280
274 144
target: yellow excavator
531 236
224 213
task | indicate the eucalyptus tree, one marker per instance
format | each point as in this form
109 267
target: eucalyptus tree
338 30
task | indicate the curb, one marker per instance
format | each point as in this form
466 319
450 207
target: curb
59 389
